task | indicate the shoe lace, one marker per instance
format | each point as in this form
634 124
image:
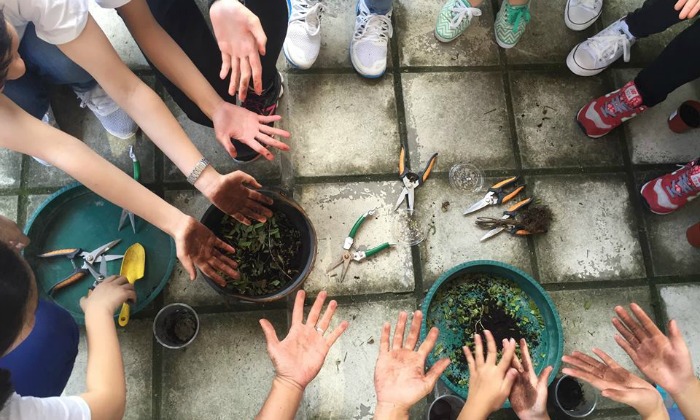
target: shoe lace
682 185
460 11
310 12
615 106
95 98
606 46
373 27
588 4
516 16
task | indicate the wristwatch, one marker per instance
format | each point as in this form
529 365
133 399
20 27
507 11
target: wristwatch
197 171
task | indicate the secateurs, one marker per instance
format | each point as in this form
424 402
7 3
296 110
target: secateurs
347 256
501 192
88 266
412 180
520 219
137 176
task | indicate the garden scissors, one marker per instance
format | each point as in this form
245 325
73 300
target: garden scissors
89 259
137 176
511 213
412 180
347 256
499 193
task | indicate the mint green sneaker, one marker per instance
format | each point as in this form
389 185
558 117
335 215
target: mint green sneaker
454 18
510 24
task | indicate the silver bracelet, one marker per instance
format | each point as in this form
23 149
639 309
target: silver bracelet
197 171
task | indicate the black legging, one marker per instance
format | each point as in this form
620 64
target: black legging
678 63
184 22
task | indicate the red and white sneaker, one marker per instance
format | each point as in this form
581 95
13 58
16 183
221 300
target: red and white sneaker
602 115
670 192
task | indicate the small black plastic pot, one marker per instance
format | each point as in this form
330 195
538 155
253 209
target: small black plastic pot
176 326
309 244
446 407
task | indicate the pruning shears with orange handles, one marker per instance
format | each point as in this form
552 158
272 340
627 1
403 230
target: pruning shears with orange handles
412 180
501 192
511 228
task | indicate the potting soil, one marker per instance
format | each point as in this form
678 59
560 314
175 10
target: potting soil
473 303
570 394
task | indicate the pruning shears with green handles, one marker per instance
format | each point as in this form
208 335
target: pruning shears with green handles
348 255
137 176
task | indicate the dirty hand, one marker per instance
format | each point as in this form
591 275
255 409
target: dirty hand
690 8
615 382
11 234
490 383
299 357
400 379
198 246
241 40
234 195
231 121
665 360
529 394
108 295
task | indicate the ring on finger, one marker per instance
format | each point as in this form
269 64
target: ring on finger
320 330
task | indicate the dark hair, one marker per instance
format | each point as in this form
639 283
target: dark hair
5 49
6 388
15 281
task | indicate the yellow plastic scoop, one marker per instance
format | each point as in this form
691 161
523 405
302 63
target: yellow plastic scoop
133 267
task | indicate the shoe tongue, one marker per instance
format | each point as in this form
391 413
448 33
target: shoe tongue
631 95
694 175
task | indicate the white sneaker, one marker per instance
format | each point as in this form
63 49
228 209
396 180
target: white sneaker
303 39
595 54
368 48
117 122
580 14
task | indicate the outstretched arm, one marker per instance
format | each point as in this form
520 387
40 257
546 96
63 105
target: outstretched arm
196 245
229 120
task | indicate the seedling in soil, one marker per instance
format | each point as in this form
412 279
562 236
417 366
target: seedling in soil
267 254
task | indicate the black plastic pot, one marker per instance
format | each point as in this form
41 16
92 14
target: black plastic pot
309 243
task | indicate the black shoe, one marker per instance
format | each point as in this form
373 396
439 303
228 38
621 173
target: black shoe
265 104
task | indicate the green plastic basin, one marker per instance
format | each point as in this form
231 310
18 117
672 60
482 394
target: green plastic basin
551 347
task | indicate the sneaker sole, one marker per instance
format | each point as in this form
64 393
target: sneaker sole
583 128
444 40
645 203
292 63
578 26
578 70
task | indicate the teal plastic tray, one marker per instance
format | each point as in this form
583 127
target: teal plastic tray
75 217
552 343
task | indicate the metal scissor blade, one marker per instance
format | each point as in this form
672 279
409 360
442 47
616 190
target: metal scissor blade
122 219
402 197
335 264
133 222
411 198
477 206
91 256
492 233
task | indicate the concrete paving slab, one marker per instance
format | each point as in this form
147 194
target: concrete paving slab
415 28
650 139
586 319
136 342
460 115
670 252
546 39
117 33
342 124
593 235
10 168
180 288
545 107
205 141
225 373
680 302
647 49
333 209
344 389
8 206
453 238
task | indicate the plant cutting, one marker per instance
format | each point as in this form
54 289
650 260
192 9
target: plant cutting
267 254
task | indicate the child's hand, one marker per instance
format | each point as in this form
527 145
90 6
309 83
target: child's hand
11 234
529 394
490 383
615 382
688 8
109 295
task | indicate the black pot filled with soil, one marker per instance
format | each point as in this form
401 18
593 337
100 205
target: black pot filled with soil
176 326
574 398
274 258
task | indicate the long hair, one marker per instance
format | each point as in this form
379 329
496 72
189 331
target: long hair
15 287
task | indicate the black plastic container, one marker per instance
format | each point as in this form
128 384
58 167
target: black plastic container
306 258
